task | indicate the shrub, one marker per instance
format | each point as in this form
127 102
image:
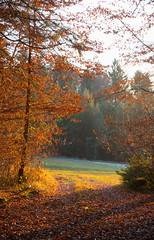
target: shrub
138 175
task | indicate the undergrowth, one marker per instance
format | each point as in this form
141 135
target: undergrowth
138 176
34 180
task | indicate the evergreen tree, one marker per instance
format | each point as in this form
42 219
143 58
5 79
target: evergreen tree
116 74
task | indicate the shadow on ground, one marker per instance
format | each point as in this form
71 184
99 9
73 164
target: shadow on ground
105 214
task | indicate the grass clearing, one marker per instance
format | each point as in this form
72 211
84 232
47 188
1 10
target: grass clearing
59 163
78 175
83 180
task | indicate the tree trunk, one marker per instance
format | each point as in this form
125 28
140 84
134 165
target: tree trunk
26 126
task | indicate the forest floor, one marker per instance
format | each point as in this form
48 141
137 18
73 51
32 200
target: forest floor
88 210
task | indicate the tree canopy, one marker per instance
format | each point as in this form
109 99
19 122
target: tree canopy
43 47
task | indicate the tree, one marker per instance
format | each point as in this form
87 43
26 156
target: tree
133 119
116 74
141 83
38 37
110 110
35 39
141 120
136 134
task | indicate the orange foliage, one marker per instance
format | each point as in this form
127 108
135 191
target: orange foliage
133 124
36 40
31 102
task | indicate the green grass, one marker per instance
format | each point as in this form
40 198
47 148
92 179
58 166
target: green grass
65 164
78 175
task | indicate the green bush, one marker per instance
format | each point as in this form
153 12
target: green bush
138 175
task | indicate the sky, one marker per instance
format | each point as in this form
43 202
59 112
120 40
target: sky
116 43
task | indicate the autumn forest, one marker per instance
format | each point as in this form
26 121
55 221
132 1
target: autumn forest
76 133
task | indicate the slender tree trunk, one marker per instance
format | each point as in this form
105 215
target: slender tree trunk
26 125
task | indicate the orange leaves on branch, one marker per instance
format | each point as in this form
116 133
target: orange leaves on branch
75 120
35 45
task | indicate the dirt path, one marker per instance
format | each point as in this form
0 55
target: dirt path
103 214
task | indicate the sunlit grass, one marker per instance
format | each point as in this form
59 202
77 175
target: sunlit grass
76 175
83 180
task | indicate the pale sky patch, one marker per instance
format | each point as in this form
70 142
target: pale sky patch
114 44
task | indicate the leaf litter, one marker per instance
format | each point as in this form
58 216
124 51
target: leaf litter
94 213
